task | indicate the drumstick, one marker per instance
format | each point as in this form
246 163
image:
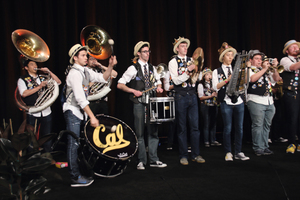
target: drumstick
153 87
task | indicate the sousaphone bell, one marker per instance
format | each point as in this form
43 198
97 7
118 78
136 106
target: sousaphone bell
34 48
100 46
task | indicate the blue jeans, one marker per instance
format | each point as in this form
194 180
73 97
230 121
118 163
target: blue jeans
237 112
209 117
72 124
152 132
45 128
187 109
261 117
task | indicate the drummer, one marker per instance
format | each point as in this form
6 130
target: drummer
77 82
143 76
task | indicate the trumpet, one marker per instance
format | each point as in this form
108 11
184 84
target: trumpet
280 69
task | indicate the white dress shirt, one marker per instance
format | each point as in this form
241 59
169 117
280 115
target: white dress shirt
74 80
215 81
22 87
287 62
131 73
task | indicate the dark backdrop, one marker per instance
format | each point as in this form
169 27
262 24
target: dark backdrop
264 25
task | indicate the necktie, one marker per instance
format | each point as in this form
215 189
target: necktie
183 61
228 71
146 75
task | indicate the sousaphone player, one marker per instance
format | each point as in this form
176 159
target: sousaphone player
33 86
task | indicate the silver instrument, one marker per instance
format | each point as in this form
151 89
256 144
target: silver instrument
238 83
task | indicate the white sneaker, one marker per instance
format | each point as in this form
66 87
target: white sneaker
140 166
158 164
241 156
228 157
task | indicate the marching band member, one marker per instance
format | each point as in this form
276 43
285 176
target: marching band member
220 78
186 104
208 108
77 82
291 89
29 87
99 106
260 100
142 76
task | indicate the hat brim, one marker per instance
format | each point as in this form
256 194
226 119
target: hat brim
182 40
284 50
225 51
75 52
203 74
138 46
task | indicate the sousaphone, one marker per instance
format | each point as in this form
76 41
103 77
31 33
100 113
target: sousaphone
100 46
34 48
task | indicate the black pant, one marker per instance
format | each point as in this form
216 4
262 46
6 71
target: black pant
292 116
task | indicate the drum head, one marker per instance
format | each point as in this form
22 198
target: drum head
112 138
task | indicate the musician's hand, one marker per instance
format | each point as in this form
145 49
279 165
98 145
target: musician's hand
275 62
214 94
159 90
112 61
43 84
94 122
45 69
248 63
266 65
191 67
137 93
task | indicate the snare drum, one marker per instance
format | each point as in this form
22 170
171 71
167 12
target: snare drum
162 109
109 146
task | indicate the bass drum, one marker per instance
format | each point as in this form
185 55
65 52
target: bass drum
109 146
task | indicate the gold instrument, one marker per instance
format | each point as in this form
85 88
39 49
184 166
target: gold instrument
100 46
32 47
280 69
198 61
162 69
98 42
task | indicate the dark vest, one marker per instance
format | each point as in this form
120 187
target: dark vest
290 80
30 84
185 87
261 87
222 91
139 82
207 92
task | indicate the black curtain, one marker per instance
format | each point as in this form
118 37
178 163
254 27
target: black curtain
257 24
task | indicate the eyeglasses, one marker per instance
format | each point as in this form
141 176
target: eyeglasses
146 51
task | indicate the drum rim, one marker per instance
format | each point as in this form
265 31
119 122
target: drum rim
105 155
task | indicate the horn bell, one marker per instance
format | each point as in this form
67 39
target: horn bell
97 41
30 45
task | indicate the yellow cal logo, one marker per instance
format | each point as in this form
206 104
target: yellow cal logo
111 139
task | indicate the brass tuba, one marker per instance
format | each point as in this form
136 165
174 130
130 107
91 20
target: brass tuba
98 42
100 46
32 47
